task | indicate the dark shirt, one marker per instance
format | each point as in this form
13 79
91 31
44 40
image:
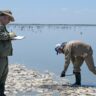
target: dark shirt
5 42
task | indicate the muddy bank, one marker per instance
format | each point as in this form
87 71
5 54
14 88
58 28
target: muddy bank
26 82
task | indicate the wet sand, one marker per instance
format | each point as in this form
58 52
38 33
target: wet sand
27 82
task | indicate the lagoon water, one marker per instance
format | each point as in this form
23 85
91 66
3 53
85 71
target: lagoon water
36 51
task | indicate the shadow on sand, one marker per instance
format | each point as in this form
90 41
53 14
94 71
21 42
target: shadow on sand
62 87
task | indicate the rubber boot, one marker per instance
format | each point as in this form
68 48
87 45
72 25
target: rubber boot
2 89
78 79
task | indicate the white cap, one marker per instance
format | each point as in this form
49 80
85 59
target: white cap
58 45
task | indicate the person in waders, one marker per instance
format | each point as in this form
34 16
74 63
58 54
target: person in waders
77 52
5 47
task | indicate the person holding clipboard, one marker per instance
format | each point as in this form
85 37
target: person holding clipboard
5 46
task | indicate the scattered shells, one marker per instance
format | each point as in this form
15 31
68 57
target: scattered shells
24 82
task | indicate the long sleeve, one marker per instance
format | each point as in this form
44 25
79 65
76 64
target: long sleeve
4 34
67 59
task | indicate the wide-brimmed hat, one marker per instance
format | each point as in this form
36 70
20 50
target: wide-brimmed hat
8 13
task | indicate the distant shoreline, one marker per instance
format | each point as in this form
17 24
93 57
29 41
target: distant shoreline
53 24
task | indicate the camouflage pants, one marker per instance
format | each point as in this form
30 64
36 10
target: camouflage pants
3 69
78 61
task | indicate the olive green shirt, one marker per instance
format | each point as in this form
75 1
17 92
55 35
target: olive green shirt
5 42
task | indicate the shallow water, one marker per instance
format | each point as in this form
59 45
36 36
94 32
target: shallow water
36 51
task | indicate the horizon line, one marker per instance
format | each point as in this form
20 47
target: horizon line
51 24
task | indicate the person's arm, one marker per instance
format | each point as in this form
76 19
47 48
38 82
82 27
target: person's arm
67 62
5 35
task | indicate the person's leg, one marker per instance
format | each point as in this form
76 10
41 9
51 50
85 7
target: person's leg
77 78
5 72
77 62
3 76
90 63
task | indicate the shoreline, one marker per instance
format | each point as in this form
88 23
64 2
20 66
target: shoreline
27 82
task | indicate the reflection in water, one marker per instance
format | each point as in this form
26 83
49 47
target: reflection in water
34 27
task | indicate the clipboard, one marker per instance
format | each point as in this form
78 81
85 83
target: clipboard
18 38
